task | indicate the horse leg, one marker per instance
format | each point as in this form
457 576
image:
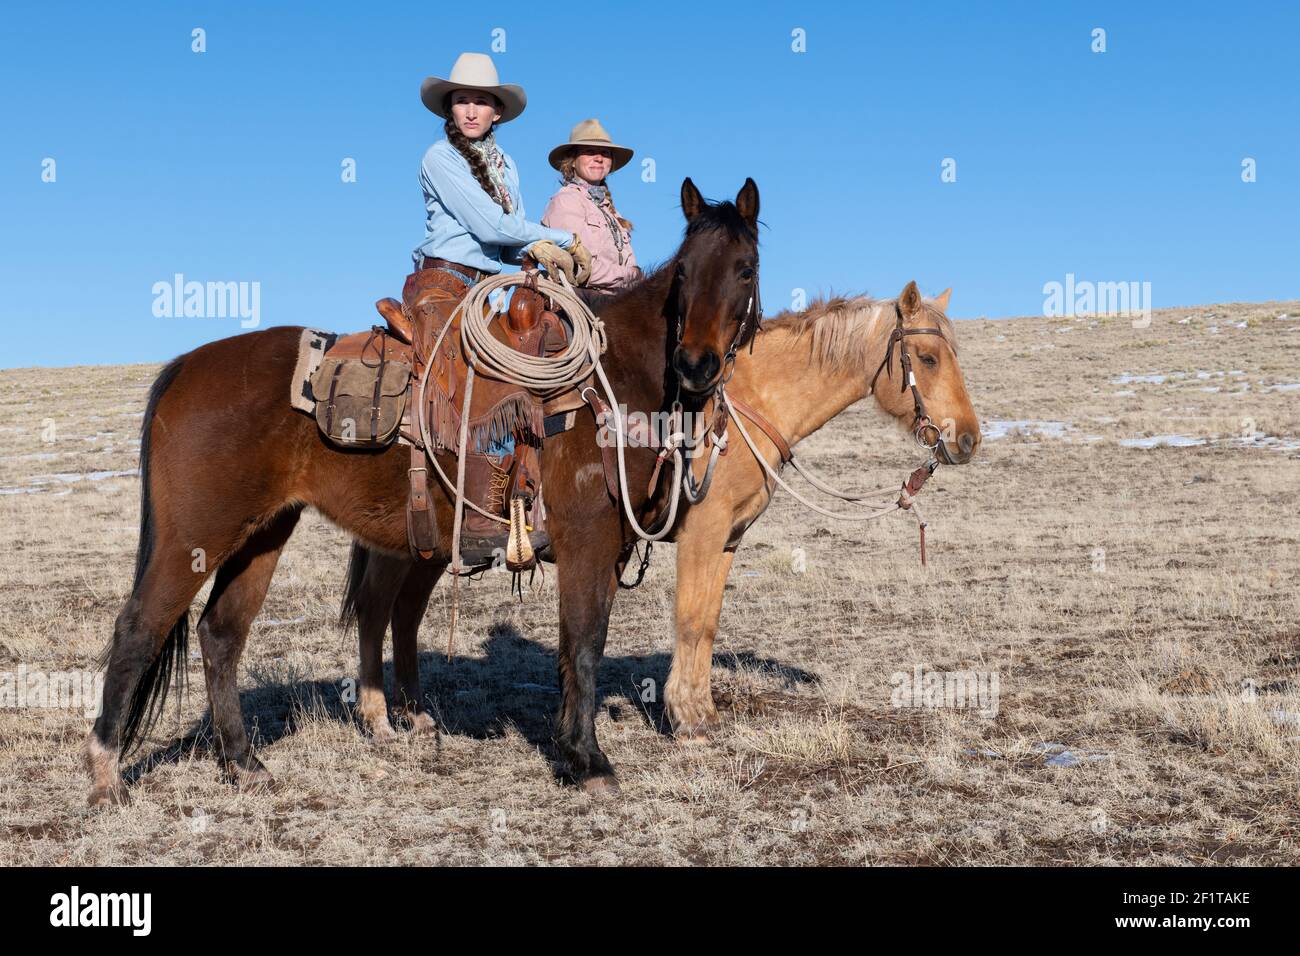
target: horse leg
375 581
588 582
237 595
408 612
688 698
150 639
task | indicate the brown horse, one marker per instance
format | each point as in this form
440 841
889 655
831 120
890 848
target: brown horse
804 369
227 466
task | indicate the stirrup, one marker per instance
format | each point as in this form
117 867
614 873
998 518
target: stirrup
519 549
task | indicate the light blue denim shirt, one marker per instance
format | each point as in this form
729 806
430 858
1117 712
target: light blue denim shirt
464 225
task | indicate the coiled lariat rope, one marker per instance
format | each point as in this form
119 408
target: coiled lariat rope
545 375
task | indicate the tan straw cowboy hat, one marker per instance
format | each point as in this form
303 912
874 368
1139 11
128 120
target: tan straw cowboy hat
473 71
590 133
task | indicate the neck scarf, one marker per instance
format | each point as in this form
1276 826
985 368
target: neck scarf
495 160
600 196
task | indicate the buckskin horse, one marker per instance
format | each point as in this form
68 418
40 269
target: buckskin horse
227 467
803 370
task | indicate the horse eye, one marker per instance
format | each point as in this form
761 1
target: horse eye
747 273
929 360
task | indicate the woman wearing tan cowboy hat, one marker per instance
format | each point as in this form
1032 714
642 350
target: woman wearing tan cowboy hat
474 223
585 207
474 209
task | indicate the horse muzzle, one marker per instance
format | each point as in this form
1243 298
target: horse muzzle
697 371
964 451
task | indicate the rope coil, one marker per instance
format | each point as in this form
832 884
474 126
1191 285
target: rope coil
579 360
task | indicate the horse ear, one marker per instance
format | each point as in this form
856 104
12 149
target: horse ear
747 203
941 300
909 300
692 201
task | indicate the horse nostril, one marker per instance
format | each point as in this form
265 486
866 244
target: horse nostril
697 371
966 442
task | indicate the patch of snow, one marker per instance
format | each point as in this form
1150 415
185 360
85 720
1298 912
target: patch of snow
537 687
1152 379
68 477
1157 441
1058 756
1000 428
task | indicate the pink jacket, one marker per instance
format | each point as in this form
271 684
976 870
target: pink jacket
573 210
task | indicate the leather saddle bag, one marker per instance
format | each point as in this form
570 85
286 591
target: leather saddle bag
361 389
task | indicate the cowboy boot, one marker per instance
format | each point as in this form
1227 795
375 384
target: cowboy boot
483 540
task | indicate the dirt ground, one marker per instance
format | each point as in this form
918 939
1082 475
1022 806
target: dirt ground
1138 607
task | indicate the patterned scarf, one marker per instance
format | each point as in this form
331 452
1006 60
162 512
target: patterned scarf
495 160
600 196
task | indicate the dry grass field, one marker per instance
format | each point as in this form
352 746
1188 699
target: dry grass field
1139 606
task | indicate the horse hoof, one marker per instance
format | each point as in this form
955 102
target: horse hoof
382 733
255 779
108 797
605 784
696 738
422 724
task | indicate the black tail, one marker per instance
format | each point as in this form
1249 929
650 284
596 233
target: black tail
150 693
357 562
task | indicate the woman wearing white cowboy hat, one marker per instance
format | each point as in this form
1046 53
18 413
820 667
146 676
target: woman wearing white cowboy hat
585 207
475 211
475 223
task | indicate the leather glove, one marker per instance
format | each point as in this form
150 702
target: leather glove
581 261
554 259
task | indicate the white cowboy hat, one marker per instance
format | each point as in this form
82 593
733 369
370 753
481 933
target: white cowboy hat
590 133
473 71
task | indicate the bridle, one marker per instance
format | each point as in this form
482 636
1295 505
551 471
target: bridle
746 331
922 426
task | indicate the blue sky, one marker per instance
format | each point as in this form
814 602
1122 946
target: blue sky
225 165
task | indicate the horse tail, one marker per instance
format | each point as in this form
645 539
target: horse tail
357 561
150 693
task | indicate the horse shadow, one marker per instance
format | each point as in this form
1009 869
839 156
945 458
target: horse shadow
511 685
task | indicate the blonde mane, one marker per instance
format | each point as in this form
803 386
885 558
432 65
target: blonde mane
846 333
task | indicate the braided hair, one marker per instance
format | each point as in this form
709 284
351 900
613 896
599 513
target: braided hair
476 164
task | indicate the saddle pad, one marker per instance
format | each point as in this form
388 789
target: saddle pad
311 349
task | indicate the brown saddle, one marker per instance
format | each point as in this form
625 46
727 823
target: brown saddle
498 409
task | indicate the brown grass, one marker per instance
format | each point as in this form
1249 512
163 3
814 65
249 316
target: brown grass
1140 665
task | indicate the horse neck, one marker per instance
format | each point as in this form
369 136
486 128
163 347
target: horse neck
790 386
636 324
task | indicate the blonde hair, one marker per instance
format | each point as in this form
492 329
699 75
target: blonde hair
569 170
